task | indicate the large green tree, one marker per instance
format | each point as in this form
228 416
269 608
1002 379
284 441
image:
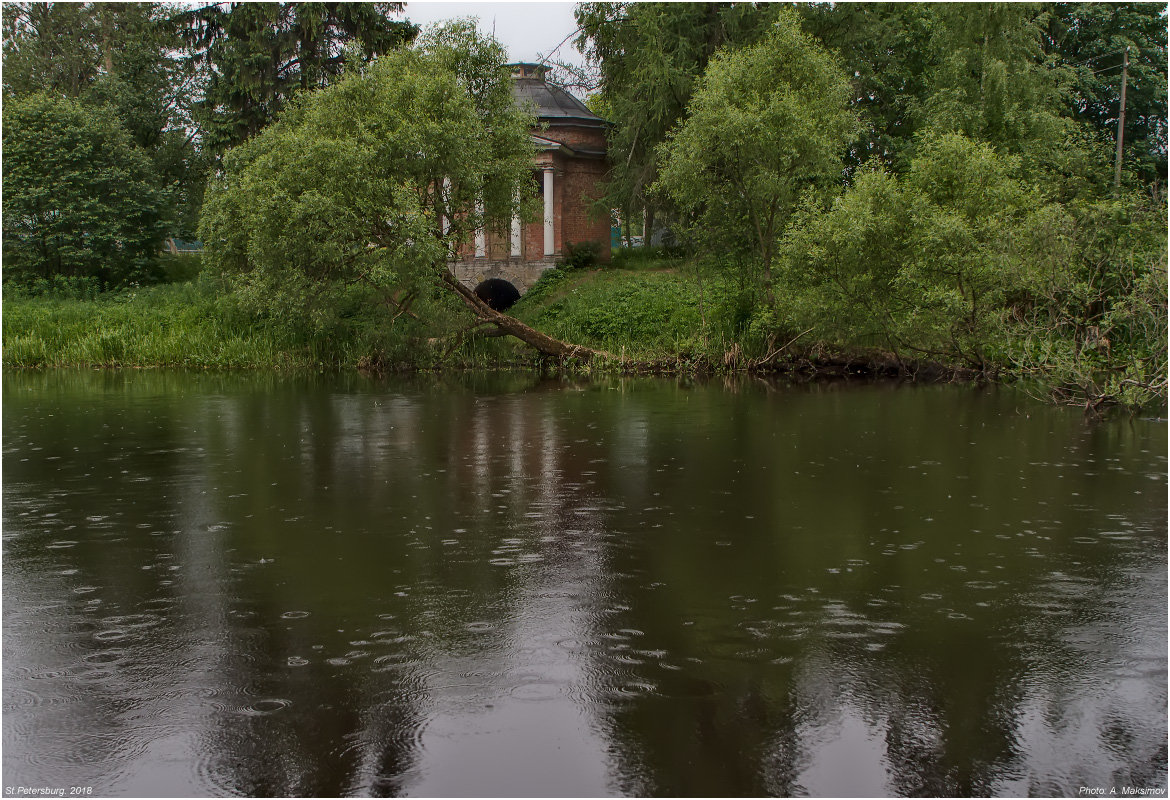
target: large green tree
990 80
650 57
882 48
254 56
80 198
768 122
366 188
50 47
1015 75
1091 40
125 57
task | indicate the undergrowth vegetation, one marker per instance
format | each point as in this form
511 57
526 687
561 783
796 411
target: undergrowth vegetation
644 313
200 325
1089 323
183 325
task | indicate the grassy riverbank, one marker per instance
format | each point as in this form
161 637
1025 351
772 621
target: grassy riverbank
675 315
651 314
660 312
646 314
197 325
183 325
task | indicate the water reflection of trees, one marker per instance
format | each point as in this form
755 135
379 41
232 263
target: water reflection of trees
936 651
766 592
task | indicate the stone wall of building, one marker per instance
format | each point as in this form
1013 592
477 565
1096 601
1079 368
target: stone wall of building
521 274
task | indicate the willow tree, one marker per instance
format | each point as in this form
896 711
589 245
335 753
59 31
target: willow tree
768 122
375 182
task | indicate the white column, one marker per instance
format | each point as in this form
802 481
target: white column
549 240
516 236
480 238
445 198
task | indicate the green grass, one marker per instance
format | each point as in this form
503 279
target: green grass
644 305
193 325
181 325
645 313
657 313
637 258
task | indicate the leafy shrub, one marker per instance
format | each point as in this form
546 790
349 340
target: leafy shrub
643 258
582 255
962 260
923 264
80 199
60 287
181 267
1093 321
549 282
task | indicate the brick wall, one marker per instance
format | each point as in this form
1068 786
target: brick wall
577 182
580 221
576 136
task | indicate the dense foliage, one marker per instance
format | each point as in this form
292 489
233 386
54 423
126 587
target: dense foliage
650 56
362 191
1089 39
968 215
909 63
122 59
256 55
907 182
80 199
766 125
182 83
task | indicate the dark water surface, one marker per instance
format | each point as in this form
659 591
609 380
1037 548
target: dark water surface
500 586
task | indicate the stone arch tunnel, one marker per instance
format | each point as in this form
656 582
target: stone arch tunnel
499 293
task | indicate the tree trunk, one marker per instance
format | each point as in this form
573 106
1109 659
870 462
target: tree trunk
513 327
108 22
769 297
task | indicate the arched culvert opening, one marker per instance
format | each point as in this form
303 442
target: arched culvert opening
498 293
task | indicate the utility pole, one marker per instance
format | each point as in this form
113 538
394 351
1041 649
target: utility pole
1121 121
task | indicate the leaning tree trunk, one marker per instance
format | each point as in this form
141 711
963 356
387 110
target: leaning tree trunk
513 327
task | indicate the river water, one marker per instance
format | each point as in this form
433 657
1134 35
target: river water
501 585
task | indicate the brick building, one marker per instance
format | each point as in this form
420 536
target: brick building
569 169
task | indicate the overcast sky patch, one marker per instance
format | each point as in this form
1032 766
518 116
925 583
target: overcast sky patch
530 31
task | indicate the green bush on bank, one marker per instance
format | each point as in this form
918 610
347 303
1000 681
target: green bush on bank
81 198
962 262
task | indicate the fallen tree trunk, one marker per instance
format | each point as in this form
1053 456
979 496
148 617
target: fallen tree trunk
511 326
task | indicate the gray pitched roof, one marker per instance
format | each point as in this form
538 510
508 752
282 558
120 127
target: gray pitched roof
553 104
